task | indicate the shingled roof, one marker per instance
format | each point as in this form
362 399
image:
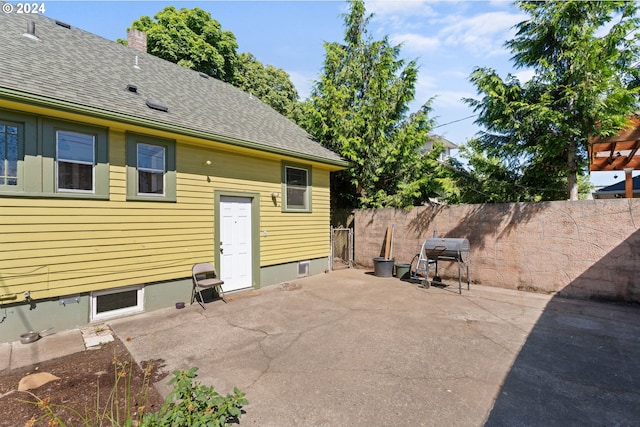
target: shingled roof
618 189
71 69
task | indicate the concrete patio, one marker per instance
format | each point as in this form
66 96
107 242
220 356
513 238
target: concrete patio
349 348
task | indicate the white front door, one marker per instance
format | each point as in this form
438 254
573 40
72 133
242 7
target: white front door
235 243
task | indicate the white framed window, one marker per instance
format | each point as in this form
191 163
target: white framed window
151 168
75 160
117 302
297 191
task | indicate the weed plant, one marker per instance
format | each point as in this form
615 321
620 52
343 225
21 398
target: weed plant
189 404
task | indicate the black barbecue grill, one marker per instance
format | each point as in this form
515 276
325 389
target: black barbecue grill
443 249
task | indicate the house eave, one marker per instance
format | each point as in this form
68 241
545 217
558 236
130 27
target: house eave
42 101
615 194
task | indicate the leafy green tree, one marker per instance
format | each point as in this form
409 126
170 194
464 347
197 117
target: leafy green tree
191 38
359 109
483 179
492 180
270 84
583 62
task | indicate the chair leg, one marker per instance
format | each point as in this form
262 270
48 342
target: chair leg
221 293
195 291
201 302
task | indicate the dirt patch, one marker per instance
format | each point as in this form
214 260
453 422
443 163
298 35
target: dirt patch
86 380
290 286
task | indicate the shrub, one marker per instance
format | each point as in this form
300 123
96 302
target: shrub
193 404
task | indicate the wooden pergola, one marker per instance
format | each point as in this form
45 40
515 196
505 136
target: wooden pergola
618 153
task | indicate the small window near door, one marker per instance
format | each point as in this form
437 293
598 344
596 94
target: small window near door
297 189
117 302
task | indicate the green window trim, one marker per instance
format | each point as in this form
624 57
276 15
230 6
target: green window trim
296 187
37 172
75 161
51 129
12 137
134 141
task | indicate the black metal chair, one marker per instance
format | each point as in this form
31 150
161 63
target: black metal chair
204 277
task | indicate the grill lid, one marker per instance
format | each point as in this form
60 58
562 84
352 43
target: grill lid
440 247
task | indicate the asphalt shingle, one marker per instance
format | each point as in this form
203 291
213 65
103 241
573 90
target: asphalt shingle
92 73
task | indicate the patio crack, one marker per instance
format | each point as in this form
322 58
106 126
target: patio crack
513 325
400 376
264 351
470 325
355 309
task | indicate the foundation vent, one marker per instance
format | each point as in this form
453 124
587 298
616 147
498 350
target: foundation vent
304 268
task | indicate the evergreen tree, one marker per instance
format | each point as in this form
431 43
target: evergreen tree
583 63
359 109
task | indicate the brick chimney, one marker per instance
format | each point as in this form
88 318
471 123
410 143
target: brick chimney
137 40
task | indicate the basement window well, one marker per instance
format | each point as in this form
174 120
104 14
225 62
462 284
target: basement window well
117 302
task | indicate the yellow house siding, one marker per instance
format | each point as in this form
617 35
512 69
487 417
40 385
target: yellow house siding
291 236
294 236
56 246
117 169
50 249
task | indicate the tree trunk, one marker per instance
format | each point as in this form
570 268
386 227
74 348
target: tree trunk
572 171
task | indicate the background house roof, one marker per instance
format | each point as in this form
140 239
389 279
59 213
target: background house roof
433 138
66 66
617 188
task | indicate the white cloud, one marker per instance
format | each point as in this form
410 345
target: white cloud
303 81
483 34
451 98
525 75
415 42
500 3
458 74
426 83
395 8
425 89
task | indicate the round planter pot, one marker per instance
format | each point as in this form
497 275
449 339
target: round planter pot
403 271
383 267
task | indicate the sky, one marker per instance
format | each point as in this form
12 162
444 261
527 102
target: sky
448 39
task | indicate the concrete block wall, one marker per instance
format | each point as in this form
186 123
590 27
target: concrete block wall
583 249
